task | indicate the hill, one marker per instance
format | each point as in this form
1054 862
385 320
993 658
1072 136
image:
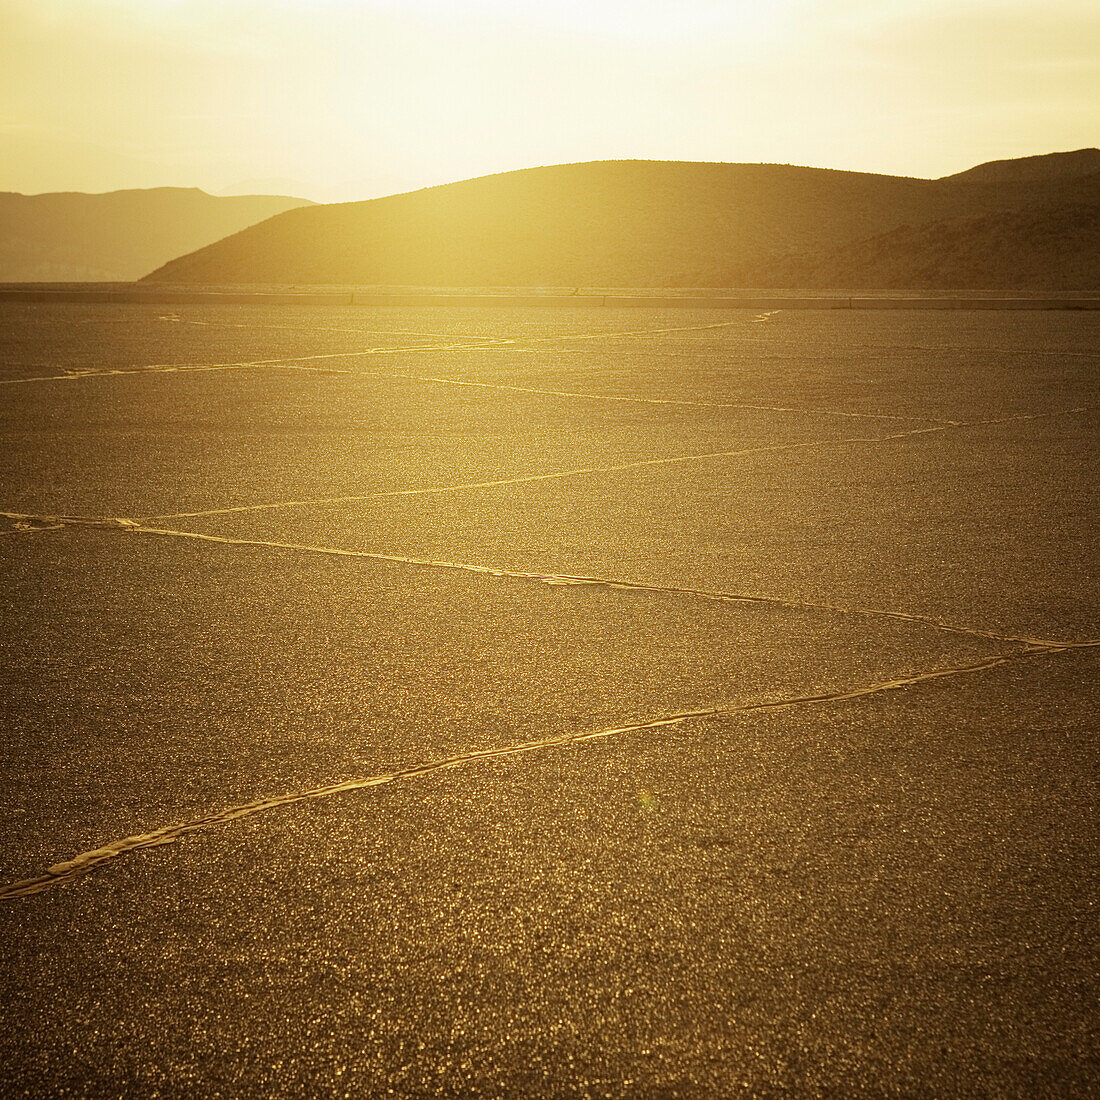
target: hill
120 235
635 223
1080 162
1048 247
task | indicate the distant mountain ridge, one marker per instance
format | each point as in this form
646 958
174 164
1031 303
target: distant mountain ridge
1047 166
1048 247
1023 224
117 235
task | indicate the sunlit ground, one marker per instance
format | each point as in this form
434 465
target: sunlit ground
754 649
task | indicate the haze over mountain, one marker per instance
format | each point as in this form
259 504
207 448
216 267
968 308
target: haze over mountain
1025 224
120 235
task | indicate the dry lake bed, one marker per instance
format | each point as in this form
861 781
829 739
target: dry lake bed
547 702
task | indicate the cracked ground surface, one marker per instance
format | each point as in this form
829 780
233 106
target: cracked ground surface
587 703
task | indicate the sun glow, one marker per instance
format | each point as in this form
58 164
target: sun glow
344 99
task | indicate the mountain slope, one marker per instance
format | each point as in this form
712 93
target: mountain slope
608 223
1048 166
1048 247
120 235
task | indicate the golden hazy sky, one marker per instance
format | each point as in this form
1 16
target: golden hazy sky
355 98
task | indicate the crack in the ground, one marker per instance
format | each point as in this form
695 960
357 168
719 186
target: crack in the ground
68 871
28 522
72 869
299 361
122 524
176 319
632 399
568 580
616 468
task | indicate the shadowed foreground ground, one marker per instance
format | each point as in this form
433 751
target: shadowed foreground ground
883 888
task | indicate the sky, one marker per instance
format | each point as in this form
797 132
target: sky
344 99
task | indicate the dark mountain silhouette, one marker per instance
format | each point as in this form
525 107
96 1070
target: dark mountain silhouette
1045 247
120 235
1081 162
660 223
